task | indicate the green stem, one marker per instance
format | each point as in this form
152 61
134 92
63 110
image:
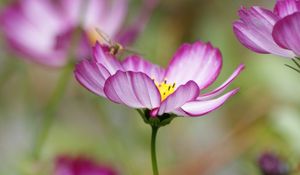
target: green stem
7 71
53 104
51 109
153 150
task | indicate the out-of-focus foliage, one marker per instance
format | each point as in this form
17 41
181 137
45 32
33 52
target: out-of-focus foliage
264 115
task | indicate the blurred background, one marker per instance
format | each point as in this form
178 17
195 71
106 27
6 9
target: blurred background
263 116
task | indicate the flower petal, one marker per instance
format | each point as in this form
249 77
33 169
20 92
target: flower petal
183 94
129 34
107 15
137 64
134 89
221 88
254 31
286 32
199 62
114 17
92 76
80 165
199 107
286 7
29 35
102 56
73 11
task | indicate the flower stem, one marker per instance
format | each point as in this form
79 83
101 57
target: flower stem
51 109
153 150
7 71
53 104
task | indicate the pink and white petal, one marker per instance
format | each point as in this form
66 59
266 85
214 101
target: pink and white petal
183 94
200 62
136 63
223 87
93 9
28 34
114 17
106 15
246 37
52 58
92 76
71 9
202 107
129 34
96 12
180 112
254 31
284 8
134 89
286 32
46 10
109 61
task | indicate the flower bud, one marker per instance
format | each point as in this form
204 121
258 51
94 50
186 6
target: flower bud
270 164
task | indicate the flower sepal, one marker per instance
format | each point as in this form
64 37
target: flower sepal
296 61
156 121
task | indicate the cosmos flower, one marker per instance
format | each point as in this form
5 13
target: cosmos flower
139 84
41 30
66 165
265 31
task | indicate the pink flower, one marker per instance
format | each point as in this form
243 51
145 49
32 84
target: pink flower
271 164
66 165
177 89
265 31
41 30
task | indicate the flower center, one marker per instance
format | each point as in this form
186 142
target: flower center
165 89
93 36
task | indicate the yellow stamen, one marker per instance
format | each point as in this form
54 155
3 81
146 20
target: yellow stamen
165 89
93 36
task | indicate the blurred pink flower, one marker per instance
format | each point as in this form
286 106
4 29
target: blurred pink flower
265 31
271 164
41 30
66 165
140 84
